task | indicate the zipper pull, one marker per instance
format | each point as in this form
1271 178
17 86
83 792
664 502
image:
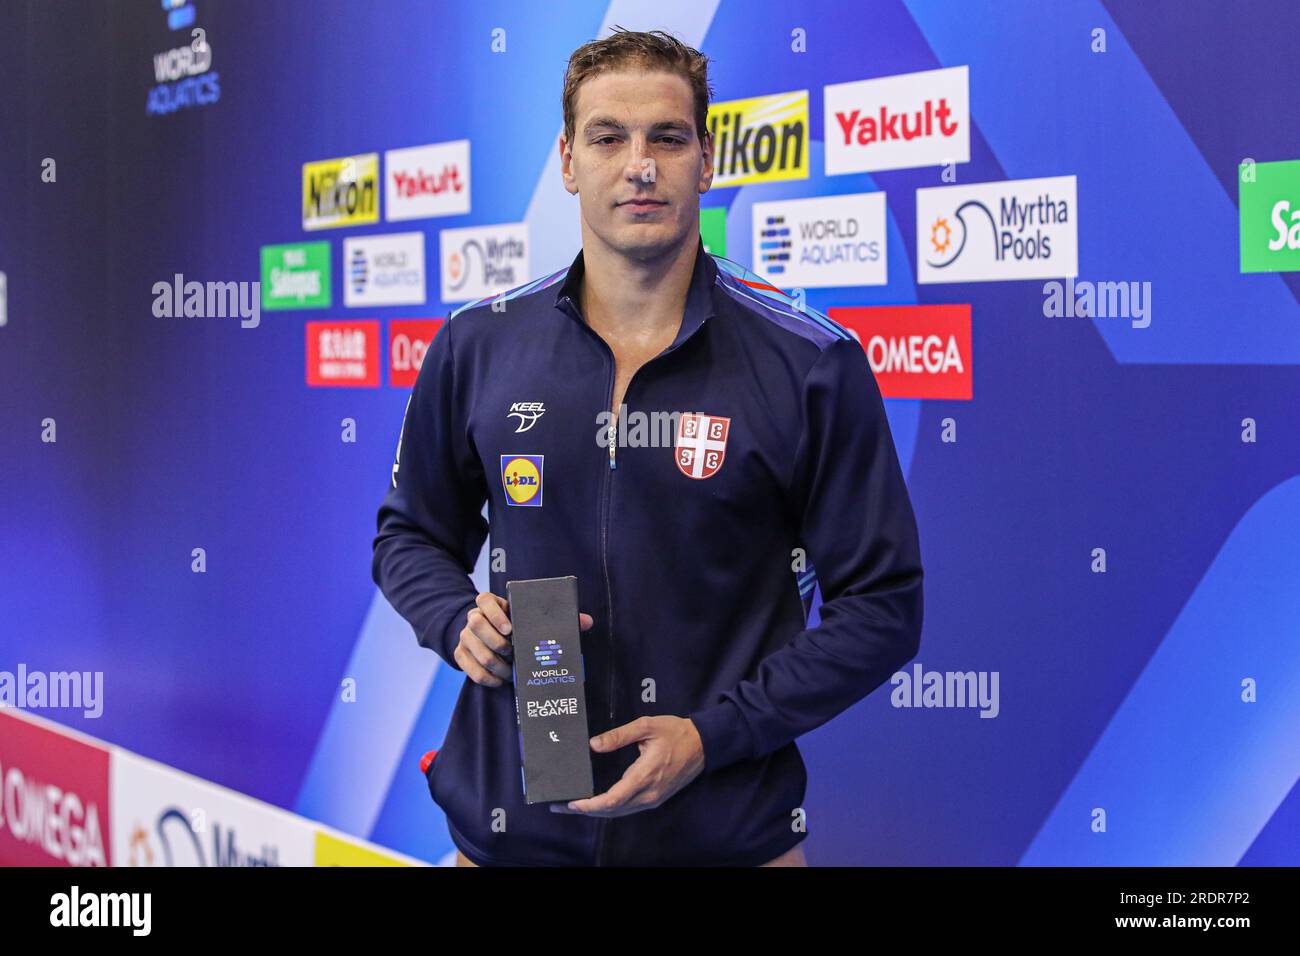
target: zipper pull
612 439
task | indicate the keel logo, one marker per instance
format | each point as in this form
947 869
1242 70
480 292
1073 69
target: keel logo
915 351
340 192
760 140
1269 198
521 477
1018 229
527 413
897 122
296 276
426 181
827 241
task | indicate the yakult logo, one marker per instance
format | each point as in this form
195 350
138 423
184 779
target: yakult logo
915 351
895 122
426 181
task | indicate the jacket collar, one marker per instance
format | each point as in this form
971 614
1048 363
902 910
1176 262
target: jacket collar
699 297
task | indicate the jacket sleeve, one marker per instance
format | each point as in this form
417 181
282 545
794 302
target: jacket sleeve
857 524
430 523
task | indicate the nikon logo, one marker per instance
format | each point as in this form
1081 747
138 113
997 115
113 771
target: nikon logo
759 140
340 192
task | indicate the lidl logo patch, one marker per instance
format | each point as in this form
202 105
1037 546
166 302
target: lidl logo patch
521 477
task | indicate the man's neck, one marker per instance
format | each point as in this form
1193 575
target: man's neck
627 298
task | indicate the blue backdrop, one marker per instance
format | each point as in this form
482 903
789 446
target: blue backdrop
1123 688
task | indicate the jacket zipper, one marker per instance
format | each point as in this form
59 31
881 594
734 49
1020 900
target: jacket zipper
606 484
603 825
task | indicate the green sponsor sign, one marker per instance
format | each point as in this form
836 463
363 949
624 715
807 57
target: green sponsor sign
296 276
713 230
1269 197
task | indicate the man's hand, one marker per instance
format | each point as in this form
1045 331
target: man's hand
485 652
672 755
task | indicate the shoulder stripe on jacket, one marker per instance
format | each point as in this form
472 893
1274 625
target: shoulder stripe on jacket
776 305
525 289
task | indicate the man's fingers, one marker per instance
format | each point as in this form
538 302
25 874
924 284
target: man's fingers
624 734
472 668
482 652
499 667
584 622
623 795
491 638
494 609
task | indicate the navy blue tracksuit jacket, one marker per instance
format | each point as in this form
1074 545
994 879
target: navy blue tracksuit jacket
689 552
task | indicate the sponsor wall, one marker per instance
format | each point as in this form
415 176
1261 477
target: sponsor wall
1071 269
70 800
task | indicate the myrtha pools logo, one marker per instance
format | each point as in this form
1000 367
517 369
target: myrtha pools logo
182 845
1020 229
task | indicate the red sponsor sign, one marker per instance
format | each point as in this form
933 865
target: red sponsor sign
408 340
343 353
915 351
53 798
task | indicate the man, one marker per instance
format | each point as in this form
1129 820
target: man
691 548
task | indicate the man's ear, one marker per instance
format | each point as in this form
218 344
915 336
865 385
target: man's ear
566 167
706 171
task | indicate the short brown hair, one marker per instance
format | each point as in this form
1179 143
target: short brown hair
624 49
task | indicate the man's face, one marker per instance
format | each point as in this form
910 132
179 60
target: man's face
636 163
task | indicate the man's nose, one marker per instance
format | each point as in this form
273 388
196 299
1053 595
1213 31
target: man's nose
639 160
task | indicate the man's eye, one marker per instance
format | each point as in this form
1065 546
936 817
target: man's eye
604 139
676 141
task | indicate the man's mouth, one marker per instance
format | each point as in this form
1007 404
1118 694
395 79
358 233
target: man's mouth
642 203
